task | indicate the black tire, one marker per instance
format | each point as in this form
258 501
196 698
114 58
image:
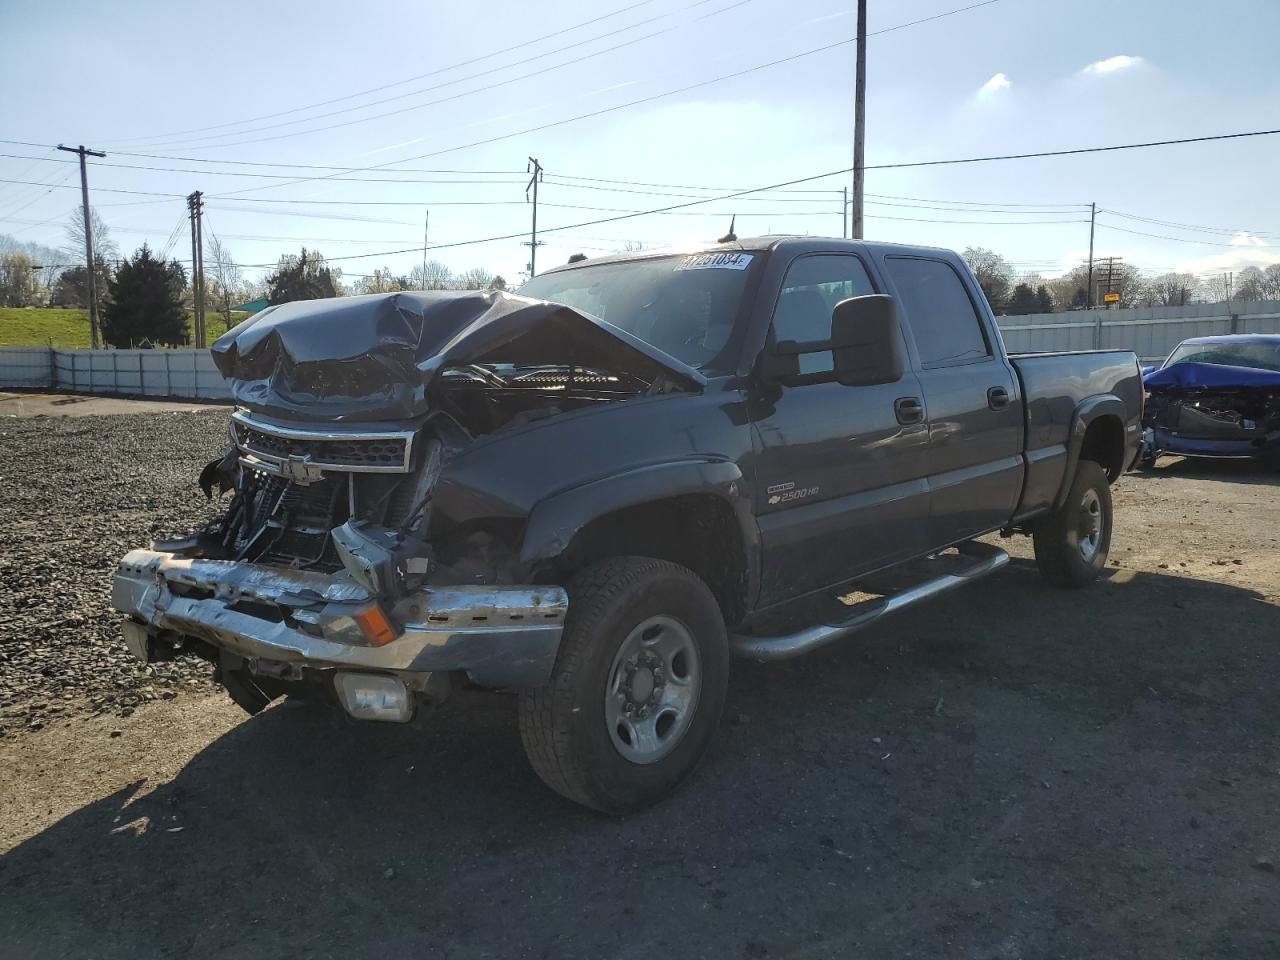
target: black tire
1059 537
563 725
1269 459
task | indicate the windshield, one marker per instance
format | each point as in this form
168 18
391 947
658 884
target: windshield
1260 355
684 305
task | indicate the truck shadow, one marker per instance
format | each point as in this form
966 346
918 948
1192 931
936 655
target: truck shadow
952 777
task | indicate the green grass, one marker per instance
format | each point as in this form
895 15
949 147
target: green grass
44 326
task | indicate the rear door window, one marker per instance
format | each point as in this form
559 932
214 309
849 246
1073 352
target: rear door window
943 319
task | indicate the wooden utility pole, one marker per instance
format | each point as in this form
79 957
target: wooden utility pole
536 169
201 340
195 205
426 230
1093 216
88 238
859 118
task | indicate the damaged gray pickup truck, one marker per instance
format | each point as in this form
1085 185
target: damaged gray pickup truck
594 492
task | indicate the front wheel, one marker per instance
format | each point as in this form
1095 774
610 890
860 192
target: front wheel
1072 543
638 687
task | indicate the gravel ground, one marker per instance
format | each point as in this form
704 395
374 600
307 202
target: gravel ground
78 494
1011 772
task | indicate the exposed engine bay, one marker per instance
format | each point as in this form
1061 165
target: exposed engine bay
1212 410
1240 414
355 490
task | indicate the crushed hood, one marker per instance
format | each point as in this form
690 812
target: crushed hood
1213 376
374 357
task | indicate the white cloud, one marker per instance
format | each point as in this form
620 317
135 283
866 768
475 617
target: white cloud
995 85
1224 262
1245 239
1113 64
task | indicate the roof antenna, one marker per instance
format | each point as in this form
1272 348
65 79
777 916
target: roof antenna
730 237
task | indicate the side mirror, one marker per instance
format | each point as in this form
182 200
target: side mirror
866 341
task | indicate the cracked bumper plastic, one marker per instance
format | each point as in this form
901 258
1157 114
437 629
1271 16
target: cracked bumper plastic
499 636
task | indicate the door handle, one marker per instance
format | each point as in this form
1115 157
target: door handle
997 398
908 410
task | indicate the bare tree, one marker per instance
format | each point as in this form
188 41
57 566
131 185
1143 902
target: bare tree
1219 288
382 281
477 278
1254 283
1173 289
435 277
73 232
1070 291
226 285
1249 284
993 273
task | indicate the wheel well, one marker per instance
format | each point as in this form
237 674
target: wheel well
1104 444
698 531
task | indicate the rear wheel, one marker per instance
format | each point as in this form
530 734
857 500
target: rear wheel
638 686
1072 543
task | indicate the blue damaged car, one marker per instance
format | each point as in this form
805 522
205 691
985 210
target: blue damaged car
1215 397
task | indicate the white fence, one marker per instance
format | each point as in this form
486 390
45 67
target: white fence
1150 332
188 374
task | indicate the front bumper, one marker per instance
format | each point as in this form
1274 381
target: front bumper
505 636
1158 440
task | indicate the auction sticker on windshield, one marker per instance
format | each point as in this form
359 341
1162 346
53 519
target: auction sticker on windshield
715 261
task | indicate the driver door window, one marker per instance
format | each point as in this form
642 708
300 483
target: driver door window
812 288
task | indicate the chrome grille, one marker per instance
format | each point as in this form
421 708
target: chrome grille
351 451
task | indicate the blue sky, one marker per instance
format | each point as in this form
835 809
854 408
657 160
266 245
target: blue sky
178 80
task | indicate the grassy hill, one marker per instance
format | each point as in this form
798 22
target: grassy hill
45 326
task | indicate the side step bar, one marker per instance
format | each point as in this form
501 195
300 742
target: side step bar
984 559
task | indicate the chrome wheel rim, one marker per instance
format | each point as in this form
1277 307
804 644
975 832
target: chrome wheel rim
1089 526
653 689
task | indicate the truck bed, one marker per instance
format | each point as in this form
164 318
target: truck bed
1054 384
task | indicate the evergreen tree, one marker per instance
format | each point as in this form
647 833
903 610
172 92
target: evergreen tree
144 303
1023 301
1044 301
307 277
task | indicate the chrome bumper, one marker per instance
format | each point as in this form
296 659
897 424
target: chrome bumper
499 636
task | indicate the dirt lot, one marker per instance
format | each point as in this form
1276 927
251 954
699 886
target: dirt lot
1012 772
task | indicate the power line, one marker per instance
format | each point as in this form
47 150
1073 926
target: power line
1076 151
265 176
263 163
1208 243
980 203
397 83
341 203
800 213
643 100
878 166
451 97
1201 228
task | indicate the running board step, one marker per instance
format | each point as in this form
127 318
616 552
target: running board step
983 559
